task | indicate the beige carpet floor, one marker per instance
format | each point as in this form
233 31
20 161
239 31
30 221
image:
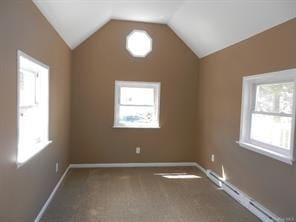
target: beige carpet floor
175 194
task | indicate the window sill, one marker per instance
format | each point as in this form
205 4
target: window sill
274 155
39 148
136 127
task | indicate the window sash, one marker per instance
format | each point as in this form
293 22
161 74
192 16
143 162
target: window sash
267 145
254 95
153 121
136 105
140 87
272 114
37 137
23 73
252 111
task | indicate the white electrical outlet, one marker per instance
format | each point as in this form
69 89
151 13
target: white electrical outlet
57 167
213 158
138 150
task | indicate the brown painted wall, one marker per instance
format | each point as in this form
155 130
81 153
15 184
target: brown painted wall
23 191
101 60
269 181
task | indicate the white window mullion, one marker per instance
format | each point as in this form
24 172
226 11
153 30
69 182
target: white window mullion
273 114
136 105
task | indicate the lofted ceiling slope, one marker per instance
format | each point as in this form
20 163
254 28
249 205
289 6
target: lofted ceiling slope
206 26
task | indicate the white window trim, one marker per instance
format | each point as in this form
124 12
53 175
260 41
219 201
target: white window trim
118 84
247 100
43 144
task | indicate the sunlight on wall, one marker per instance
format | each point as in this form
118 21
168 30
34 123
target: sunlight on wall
223 174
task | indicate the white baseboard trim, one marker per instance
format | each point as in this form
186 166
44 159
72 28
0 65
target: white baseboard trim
113 165
43 209
252 205
200 168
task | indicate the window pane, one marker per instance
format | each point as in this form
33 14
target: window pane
136 96
30 126
27 88
136 116
276 98
274 130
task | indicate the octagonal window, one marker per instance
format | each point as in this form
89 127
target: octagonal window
139 43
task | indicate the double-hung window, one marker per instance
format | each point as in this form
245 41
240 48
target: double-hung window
268 114
33 99
136 104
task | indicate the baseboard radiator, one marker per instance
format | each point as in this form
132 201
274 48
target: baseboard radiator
261 212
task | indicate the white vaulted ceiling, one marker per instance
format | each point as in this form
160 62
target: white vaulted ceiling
206 26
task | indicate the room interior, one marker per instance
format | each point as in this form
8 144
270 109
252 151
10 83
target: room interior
197 125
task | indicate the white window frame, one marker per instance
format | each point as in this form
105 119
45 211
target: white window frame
136 84
43 144
131 51
248 100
